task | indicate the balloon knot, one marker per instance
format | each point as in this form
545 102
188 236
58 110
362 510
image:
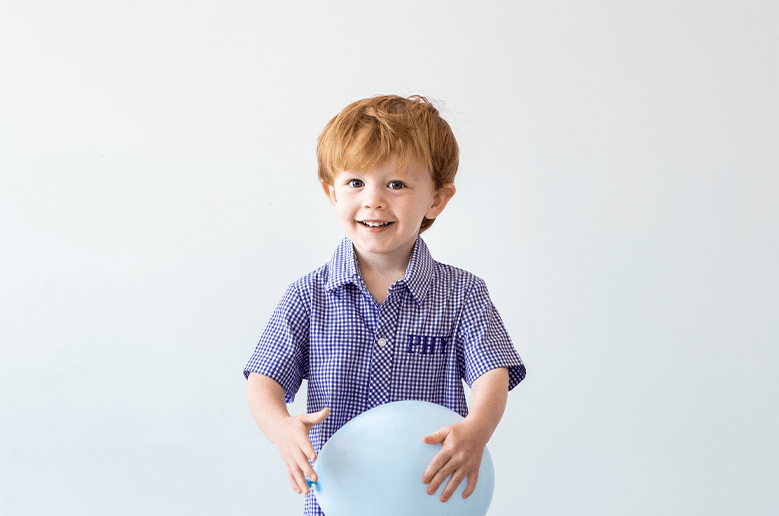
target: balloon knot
312 484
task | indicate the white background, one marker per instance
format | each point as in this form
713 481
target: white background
617 191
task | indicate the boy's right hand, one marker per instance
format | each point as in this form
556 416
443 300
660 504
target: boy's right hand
290 436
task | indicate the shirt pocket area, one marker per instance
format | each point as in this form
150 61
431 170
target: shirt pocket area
425 366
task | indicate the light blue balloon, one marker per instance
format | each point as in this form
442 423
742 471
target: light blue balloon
374 464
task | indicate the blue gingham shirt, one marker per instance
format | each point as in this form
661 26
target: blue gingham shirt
436 328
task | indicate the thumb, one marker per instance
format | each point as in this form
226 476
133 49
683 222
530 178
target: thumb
436 437
316 417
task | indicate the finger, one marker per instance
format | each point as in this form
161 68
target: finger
305 467
316 417
296 460
440 477
452 485
438 462
307 448
292 481
436 437
300 480
473 478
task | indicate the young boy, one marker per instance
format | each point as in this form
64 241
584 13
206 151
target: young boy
383 321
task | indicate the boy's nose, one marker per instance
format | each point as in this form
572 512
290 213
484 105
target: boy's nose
373 198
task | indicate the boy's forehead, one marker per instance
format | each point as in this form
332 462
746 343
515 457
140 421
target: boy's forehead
394 163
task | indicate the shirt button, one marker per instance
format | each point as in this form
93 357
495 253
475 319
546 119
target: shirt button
382 342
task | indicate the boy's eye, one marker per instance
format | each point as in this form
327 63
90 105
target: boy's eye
396 185
355 183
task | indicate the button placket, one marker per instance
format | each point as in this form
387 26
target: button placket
381 367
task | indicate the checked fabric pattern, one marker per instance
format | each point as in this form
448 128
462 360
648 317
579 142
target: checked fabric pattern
436 328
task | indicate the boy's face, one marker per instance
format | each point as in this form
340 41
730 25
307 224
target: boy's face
380 210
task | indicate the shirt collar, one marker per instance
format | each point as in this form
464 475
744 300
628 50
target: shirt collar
343 269
419 273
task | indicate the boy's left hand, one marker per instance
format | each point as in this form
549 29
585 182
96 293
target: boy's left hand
460 456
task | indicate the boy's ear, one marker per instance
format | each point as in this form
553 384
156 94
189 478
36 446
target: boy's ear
440 199
329 191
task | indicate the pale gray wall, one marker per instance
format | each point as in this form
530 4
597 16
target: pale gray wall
618 193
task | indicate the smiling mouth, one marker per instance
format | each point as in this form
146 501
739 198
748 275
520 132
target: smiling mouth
375 224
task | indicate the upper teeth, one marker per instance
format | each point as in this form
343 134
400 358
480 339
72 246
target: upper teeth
375 224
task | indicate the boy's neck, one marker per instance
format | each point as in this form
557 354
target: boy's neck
380 272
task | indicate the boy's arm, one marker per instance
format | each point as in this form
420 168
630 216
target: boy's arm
288 433
464 442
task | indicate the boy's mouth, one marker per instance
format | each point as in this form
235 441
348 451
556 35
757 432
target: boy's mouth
371 224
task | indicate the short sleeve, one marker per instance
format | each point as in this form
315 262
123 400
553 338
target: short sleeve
282 352
485 342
